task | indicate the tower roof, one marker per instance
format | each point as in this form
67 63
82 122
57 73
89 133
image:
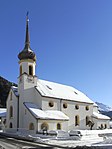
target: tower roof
27 52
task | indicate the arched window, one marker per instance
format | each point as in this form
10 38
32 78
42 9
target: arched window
11 111
20 69
58 126
87 120
51 103
11 96
87 108
76 120
31 126
105 126
101 126
76 107
45 126
30 70
10 125
64 105
25 111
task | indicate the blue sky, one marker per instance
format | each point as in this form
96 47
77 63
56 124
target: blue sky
71 38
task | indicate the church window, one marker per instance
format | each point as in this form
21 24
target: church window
25 111
87 120
11 96
76 107
51 104
10 125
76 120
20 70
101 126
105 126
11 111
30 70
31 126
87 108
58 126
65 105
44 126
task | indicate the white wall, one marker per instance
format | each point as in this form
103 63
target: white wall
95 109
98 123
70 111
29 118
27 93
45 103
52 124
12 103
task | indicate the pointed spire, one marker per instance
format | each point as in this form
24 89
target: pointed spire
27 40
27 52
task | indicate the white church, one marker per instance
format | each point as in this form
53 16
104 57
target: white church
38 104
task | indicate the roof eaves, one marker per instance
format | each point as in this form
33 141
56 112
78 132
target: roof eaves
17 95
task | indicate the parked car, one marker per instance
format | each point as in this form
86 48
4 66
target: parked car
75 133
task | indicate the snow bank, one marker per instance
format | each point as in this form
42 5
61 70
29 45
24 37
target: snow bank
89 138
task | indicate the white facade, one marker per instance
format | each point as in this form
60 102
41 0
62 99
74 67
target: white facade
12 102
37 104
35 91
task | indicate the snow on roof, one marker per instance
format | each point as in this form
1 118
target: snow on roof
95 105
48 114
56 90
15 90
3 112
100 116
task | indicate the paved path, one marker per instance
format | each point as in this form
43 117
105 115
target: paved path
11 143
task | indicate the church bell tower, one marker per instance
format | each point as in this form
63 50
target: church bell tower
27 64
27 79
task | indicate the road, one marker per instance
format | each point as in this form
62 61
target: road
11 143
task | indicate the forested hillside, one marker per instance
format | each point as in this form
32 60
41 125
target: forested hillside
5 86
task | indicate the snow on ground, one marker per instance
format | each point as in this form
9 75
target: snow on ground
89 138
94 138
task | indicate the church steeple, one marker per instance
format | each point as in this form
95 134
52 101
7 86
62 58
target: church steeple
27 57
27 39
27 52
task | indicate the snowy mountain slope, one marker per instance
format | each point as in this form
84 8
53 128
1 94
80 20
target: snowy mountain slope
103 107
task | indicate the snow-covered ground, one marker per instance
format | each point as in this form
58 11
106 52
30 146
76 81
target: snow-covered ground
89 138
102 138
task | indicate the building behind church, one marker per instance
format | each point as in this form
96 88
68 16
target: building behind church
37 104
